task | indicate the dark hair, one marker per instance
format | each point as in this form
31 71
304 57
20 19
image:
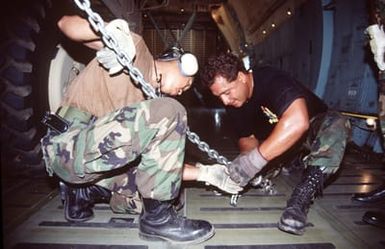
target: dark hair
226 65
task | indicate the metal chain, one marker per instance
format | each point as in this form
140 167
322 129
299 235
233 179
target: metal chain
98 24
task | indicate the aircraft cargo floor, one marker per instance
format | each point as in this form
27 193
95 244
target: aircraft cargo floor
33 216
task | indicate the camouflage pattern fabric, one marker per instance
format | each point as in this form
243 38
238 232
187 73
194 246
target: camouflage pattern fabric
99 152
125 196
327 138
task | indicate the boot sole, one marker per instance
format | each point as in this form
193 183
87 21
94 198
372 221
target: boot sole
377 201
78 220
154 237
286 228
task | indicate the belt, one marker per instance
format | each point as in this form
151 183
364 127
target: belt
71 114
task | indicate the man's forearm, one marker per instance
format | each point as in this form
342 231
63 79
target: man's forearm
247 144
78 29
190 172
291 127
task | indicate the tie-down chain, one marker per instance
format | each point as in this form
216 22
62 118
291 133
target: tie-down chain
98 25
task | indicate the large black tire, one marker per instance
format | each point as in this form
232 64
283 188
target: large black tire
30 43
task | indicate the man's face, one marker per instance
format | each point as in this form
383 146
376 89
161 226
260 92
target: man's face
174 83
176 86
234 93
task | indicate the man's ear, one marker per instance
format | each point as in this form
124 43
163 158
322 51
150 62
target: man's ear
241 77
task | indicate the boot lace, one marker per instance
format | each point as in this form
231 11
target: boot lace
310 187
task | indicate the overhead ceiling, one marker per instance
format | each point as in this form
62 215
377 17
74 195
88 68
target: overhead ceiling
241 21
258 19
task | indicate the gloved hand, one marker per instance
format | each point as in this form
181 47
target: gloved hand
119 29
218 176
245 166
377 44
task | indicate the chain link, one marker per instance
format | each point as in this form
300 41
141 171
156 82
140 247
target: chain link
98 24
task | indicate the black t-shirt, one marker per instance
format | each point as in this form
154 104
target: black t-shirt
273 92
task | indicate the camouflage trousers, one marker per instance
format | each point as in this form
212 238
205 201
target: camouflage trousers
99 152
327 138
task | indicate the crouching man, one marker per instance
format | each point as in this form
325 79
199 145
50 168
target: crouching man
107 123
296 117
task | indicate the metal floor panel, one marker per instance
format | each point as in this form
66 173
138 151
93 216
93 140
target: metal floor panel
33 217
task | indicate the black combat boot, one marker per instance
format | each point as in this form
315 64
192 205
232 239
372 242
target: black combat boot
293 219
79 201
375 218
374 196
159 221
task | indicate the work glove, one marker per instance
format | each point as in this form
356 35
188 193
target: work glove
377 44
218 176
119 29
245 166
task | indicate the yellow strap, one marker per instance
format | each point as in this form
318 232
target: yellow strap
357 115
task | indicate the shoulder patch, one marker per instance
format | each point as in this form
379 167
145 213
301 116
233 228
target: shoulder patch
273 118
